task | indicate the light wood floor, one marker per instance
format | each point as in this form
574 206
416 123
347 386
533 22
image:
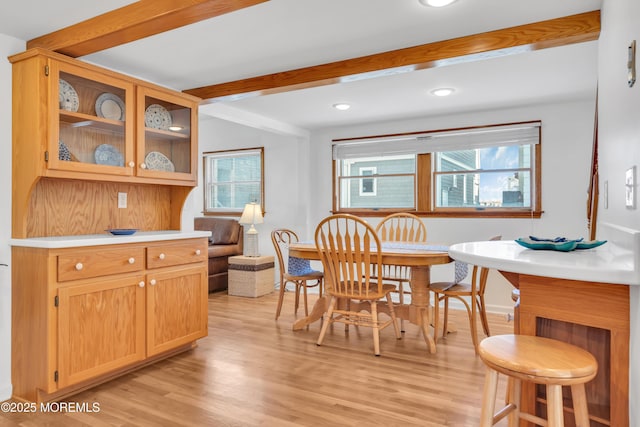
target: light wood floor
254 371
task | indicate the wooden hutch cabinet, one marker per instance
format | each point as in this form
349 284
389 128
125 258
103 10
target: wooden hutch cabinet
95 150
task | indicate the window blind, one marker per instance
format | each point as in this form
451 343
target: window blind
429 142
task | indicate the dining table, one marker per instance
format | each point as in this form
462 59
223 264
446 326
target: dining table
419 257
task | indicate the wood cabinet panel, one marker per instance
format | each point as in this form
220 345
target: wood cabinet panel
176 308
594 316
101 328
67 208
105 261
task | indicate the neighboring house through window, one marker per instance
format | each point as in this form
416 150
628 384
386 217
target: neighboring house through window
480 171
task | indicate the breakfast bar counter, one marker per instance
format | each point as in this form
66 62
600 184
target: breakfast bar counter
584 297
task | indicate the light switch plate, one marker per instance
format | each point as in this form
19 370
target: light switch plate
122 200
630 188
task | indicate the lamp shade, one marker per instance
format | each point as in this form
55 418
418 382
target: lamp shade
252 214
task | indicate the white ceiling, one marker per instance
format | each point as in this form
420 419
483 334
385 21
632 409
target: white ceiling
281 35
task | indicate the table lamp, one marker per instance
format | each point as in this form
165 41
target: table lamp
252 214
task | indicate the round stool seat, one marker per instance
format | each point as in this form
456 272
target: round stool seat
538 359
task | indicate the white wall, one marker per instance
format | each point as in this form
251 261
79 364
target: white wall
567 137
8 46
619 146
286 166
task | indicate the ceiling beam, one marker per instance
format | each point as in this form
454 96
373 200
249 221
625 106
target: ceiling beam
540 35
133 22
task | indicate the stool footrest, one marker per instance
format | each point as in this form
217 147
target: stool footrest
504 412
533 419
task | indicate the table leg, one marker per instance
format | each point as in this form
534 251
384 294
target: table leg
319 309
419 310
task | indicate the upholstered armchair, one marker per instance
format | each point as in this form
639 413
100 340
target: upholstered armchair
225 241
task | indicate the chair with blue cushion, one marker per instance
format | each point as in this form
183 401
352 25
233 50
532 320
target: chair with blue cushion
295 270
474 291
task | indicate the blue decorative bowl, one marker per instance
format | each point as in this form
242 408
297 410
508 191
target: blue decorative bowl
121 231
563 246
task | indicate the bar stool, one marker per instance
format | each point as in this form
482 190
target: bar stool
541 361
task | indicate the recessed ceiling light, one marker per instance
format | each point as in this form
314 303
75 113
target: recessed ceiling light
341 106
436 3
443 91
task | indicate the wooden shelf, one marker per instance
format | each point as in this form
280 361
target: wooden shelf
80 120
166 134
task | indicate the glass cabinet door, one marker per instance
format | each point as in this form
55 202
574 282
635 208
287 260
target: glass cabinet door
92 122
166 139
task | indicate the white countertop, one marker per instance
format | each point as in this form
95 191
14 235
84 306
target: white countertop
106 239
608 263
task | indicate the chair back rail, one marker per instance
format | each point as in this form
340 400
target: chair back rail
281 239
346 246
402 227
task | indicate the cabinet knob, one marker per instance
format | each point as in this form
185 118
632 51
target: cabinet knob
141 284
131 164
152 282
198 252
161 256
143 166
79 266
132 260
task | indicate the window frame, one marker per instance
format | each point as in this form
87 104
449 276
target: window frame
206 175
425 185
374 181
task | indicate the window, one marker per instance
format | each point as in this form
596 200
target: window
233 179
481 171
368 185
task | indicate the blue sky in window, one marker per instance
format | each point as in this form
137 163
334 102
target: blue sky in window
493 184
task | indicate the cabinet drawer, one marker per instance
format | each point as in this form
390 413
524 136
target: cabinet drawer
186 252
99 262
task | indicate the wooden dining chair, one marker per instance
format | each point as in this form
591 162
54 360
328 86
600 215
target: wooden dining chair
349 248
400 227
294 270
474 291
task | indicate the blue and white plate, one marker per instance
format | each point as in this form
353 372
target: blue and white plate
67 97
157 117
110 106
107 154
159 162
63 152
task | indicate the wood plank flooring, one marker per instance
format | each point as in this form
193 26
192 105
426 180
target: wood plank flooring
254 371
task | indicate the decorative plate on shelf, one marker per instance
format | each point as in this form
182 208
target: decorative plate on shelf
110 106
121 231
68 97
157 117
159 162
107 154
63 151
